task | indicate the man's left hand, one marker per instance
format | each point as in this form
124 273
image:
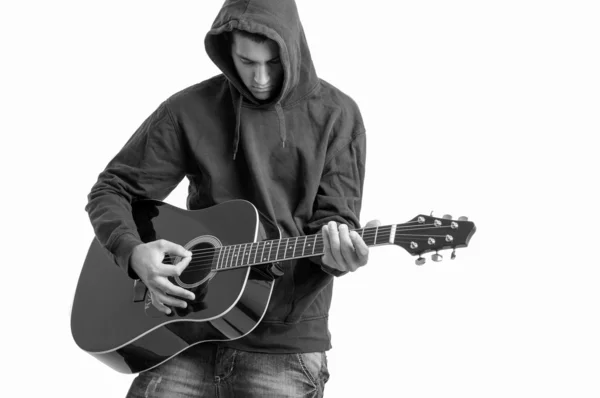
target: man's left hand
345 250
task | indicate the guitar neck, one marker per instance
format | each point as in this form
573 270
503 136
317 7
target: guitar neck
268 251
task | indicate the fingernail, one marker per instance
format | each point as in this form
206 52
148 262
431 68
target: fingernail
189 253
168 311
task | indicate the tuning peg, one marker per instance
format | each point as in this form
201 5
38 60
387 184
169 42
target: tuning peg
437 257
463 218
453 255
420 261
447 217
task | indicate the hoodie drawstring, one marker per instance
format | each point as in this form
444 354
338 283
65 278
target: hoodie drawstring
238 119
282 130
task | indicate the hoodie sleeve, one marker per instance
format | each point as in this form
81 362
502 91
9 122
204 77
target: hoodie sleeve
149 166
339 197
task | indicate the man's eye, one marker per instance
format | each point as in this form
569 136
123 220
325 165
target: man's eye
275 61
246 62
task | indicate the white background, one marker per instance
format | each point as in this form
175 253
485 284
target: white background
477 108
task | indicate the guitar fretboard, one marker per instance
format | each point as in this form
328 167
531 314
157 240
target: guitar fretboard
268 251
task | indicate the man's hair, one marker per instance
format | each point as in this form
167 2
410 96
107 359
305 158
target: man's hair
255 37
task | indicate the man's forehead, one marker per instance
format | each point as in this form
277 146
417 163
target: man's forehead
265 51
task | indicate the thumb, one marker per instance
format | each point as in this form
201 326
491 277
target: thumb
174 248
373 223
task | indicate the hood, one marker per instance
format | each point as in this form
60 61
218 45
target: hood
278 20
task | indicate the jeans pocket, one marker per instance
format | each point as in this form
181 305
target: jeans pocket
324 369
314 366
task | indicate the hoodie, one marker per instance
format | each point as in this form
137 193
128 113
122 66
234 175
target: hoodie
299 158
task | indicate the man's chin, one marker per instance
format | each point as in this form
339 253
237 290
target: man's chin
262 96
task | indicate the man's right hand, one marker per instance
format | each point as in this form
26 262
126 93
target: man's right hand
147 261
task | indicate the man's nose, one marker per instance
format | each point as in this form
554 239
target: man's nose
261 76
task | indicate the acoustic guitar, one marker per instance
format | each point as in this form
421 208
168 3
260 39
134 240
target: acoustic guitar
237 253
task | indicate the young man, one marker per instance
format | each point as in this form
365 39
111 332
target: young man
267 130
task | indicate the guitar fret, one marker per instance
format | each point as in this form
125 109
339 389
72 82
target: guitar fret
295 254
279 248
234 257
225 257
270 250
304 245
261 253
293 248
231 251
240 255
246 254
277 253
287 246
315 244
249 253
263 258
222 257
219 257
229 257
256 252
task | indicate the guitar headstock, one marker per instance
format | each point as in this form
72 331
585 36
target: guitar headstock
425 234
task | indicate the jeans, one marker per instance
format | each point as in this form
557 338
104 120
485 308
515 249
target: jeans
211 370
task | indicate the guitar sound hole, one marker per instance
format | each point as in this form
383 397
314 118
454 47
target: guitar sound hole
200 266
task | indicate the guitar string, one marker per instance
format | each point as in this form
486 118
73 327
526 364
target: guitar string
252 251
209 253
249 246
369 230
206 262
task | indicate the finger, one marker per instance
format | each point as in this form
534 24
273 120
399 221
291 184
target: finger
347 248
166 299
173 248
182 265
361 248
158 304
174 269
173 290
334 241
373 224
326 245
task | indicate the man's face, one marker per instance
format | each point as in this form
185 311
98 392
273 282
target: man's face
258 65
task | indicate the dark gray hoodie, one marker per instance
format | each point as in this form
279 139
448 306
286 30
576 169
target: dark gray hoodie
300 159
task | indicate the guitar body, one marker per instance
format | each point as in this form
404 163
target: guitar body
113 318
